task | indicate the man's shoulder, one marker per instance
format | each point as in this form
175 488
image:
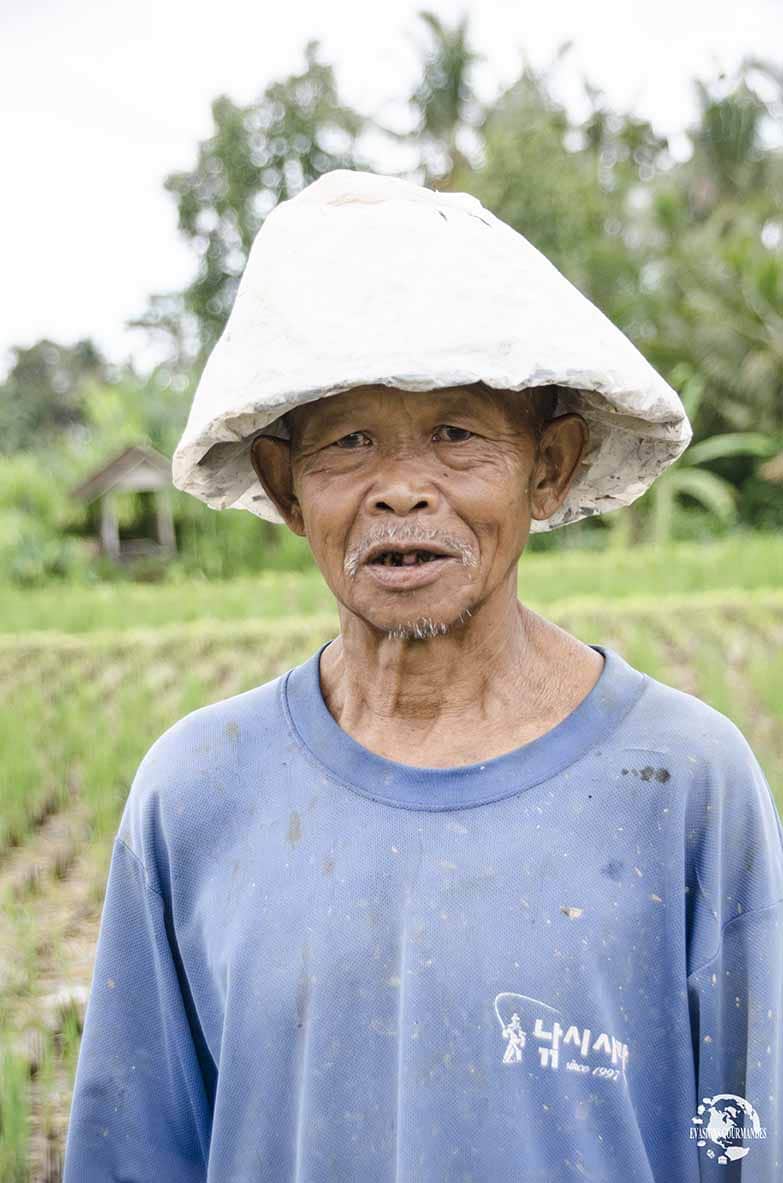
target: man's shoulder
727 798
712 755
731 823
216 728
686 723
196 757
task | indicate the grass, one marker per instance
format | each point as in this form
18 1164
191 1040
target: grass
14 1128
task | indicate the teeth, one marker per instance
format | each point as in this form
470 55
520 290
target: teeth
407 559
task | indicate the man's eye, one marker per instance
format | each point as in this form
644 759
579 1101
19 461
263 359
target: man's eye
448 427
344 441
351 435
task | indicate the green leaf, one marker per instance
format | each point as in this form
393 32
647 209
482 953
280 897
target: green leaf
732 443
712 491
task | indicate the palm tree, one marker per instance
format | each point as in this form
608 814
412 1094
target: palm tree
729 321
445 100
715 236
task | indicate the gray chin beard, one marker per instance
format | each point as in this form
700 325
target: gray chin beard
424 628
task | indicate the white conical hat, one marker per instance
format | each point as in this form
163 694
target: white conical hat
370 280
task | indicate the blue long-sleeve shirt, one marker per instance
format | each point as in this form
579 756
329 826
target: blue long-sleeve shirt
318 964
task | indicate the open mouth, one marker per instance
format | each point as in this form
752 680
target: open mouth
412 558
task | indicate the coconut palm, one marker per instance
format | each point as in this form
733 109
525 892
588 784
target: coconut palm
729 323
444 100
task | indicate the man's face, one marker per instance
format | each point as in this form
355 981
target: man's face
458 469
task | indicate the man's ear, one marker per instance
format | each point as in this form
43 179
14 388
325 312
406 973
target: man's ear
561 446
271 459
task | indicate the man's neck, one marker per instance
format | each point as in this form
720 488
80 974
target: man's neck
459 698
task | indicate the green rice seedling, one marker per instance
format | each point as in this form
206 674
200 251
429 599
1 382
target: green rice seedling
14 1116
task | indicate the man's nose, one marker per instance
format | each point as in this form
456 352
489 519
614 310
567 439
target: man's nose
401 488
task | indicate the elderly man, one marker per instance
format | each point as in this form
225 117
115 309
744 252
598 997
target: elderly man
460 897
418 509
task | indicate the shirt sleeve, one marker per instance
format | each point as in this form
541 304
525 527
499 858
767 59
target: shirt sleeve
736 1008
735 966
139 1108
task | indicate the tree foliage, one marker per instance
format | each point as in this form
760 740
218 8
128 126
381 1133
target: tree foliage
41 395
257 156
686 256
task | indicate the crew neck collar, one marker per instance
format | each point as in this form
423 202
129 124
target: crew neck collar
406 786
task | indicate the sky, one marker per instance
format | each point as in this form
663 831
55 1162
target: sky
101 99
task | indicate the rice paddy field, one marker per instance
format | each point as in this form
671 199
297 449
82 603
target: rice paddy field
90 677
